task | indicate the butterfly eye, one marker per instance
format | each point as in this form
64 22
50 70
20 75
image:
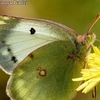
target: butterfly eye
32 31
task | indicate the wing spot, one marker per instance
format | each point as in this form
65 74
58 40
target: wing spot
14 59
32 30
31 55
42 72
3 41
72 56
9 50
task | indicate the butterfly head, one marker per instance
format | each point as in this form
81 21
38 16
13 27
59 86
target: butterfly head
89 37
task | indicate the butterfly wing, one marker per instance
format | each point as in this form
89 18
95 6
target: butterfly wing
46 73
44 55
19 37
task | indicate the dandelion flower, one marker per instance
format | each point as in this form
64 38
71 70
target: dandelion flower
90 75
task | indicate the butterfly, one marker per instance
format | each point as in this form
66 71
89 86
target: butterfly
42 57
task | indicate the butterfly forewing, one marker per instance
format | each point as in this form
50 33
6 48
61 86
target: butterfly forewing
19 37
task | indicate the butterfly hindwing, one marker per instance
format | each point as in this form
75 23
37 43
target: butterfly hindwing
46 74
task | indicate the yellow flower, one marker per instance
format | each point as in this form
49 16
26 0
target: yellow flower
91 75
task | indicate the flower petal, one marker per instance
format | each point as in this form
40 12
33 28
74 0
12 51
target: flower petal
96 50
91 75
90 86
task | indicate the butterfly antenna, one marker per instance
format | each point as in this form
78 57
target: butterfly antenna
93 23
94 93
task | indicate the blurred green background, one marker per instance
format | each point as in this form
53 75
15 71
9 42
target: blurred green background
76 14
